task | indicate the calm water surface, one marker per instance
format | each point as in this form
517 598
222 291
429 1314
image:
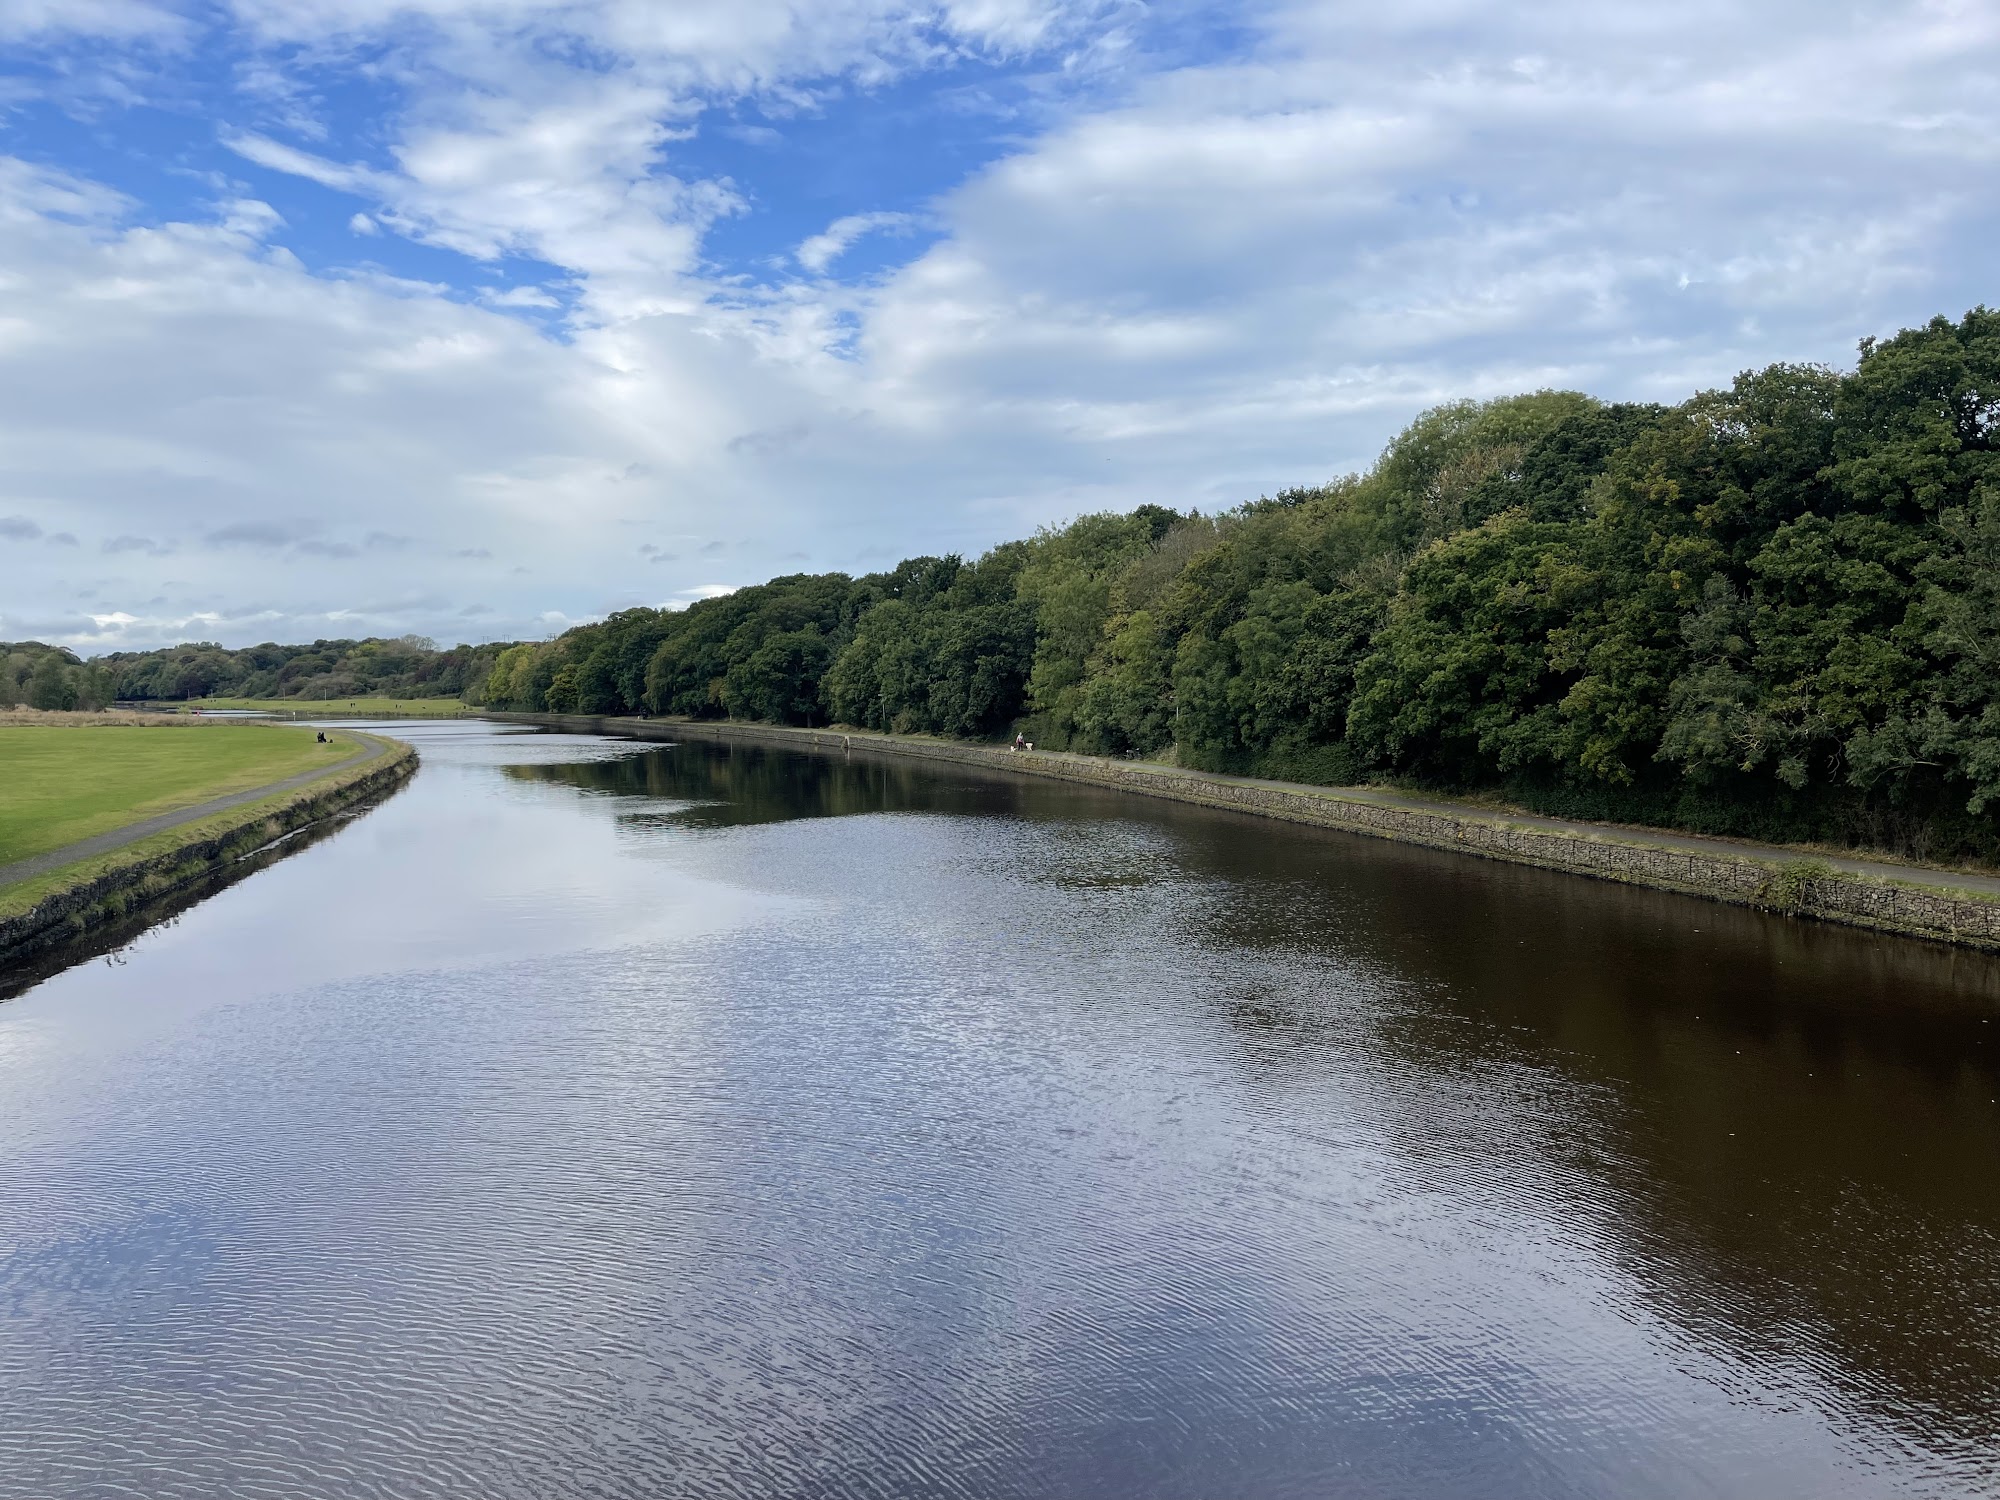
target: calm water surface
604 1120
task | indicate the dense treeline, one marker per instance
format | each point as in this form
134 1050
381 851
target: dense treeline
408 667
51 677
44 676
1770 609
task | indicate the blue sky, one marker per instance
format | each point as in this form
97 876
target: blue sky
481 317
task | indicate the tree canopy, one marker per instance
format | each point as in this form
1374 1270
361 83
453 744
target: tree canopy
407 667
1769 609
1766 609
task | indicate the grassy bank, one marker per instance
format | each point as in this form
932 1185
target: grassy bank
64 782
85 894
332 708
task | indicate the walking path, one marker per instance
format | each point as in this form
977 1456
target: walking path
1133 775
365 751
1693 843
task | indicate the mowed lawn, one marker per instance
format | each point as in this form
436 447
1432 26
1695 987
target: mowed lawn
332 708
62 783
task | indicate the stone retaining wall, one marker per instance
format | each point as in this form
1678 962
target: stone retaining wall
1802 886
74 911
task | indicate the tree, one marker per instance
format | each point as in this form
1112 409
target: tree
52 686
1767 609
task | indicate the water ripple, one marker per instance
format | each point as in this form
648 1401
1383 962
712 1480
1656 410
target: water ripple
1012 1150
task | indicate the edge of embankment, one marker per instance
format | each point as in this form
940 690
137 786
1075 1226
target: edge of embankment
1914 902
101 890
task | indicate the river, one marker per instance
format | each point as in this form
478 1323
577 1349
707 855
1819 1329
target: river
597 1119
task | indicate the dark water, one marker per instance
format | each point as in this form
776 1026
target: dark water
592 1120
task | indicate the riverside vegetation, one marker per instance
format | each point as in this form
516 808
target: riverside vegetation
69 778
1765 611
103 815
42 676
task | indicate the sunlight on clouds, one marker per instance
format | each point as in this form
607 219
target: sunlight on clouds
1217 270
544 130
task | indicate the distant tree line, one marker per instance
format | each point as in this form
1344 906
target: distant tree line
410 666
1772 609
37 675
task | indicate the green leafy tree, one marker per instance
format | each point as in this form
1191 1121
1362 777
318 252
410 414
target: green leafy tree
1769 609
1458 684
53 685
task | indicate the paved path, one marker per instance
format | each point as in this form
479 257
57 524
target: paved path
1694 843
1880 869
365 751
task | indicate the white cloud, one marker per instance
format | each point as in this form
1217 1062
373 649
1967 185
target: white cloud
519 296
572 182
1354 219
124 20
29 195
728 44
820 251
175 382
282 158
519 139
699 592
1226 277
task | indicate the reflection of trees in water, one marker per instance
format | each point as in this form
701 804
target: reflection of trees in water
1787 1128
734 785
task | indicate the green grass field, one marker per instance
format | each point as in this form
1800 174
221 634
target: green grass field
327 708
59 784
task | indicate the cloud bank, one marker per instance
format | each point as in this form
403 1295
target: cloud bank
479 317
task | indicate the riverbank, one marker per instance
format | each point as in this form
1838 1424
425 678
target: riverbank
321 708
67 782
1943 905
68 893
